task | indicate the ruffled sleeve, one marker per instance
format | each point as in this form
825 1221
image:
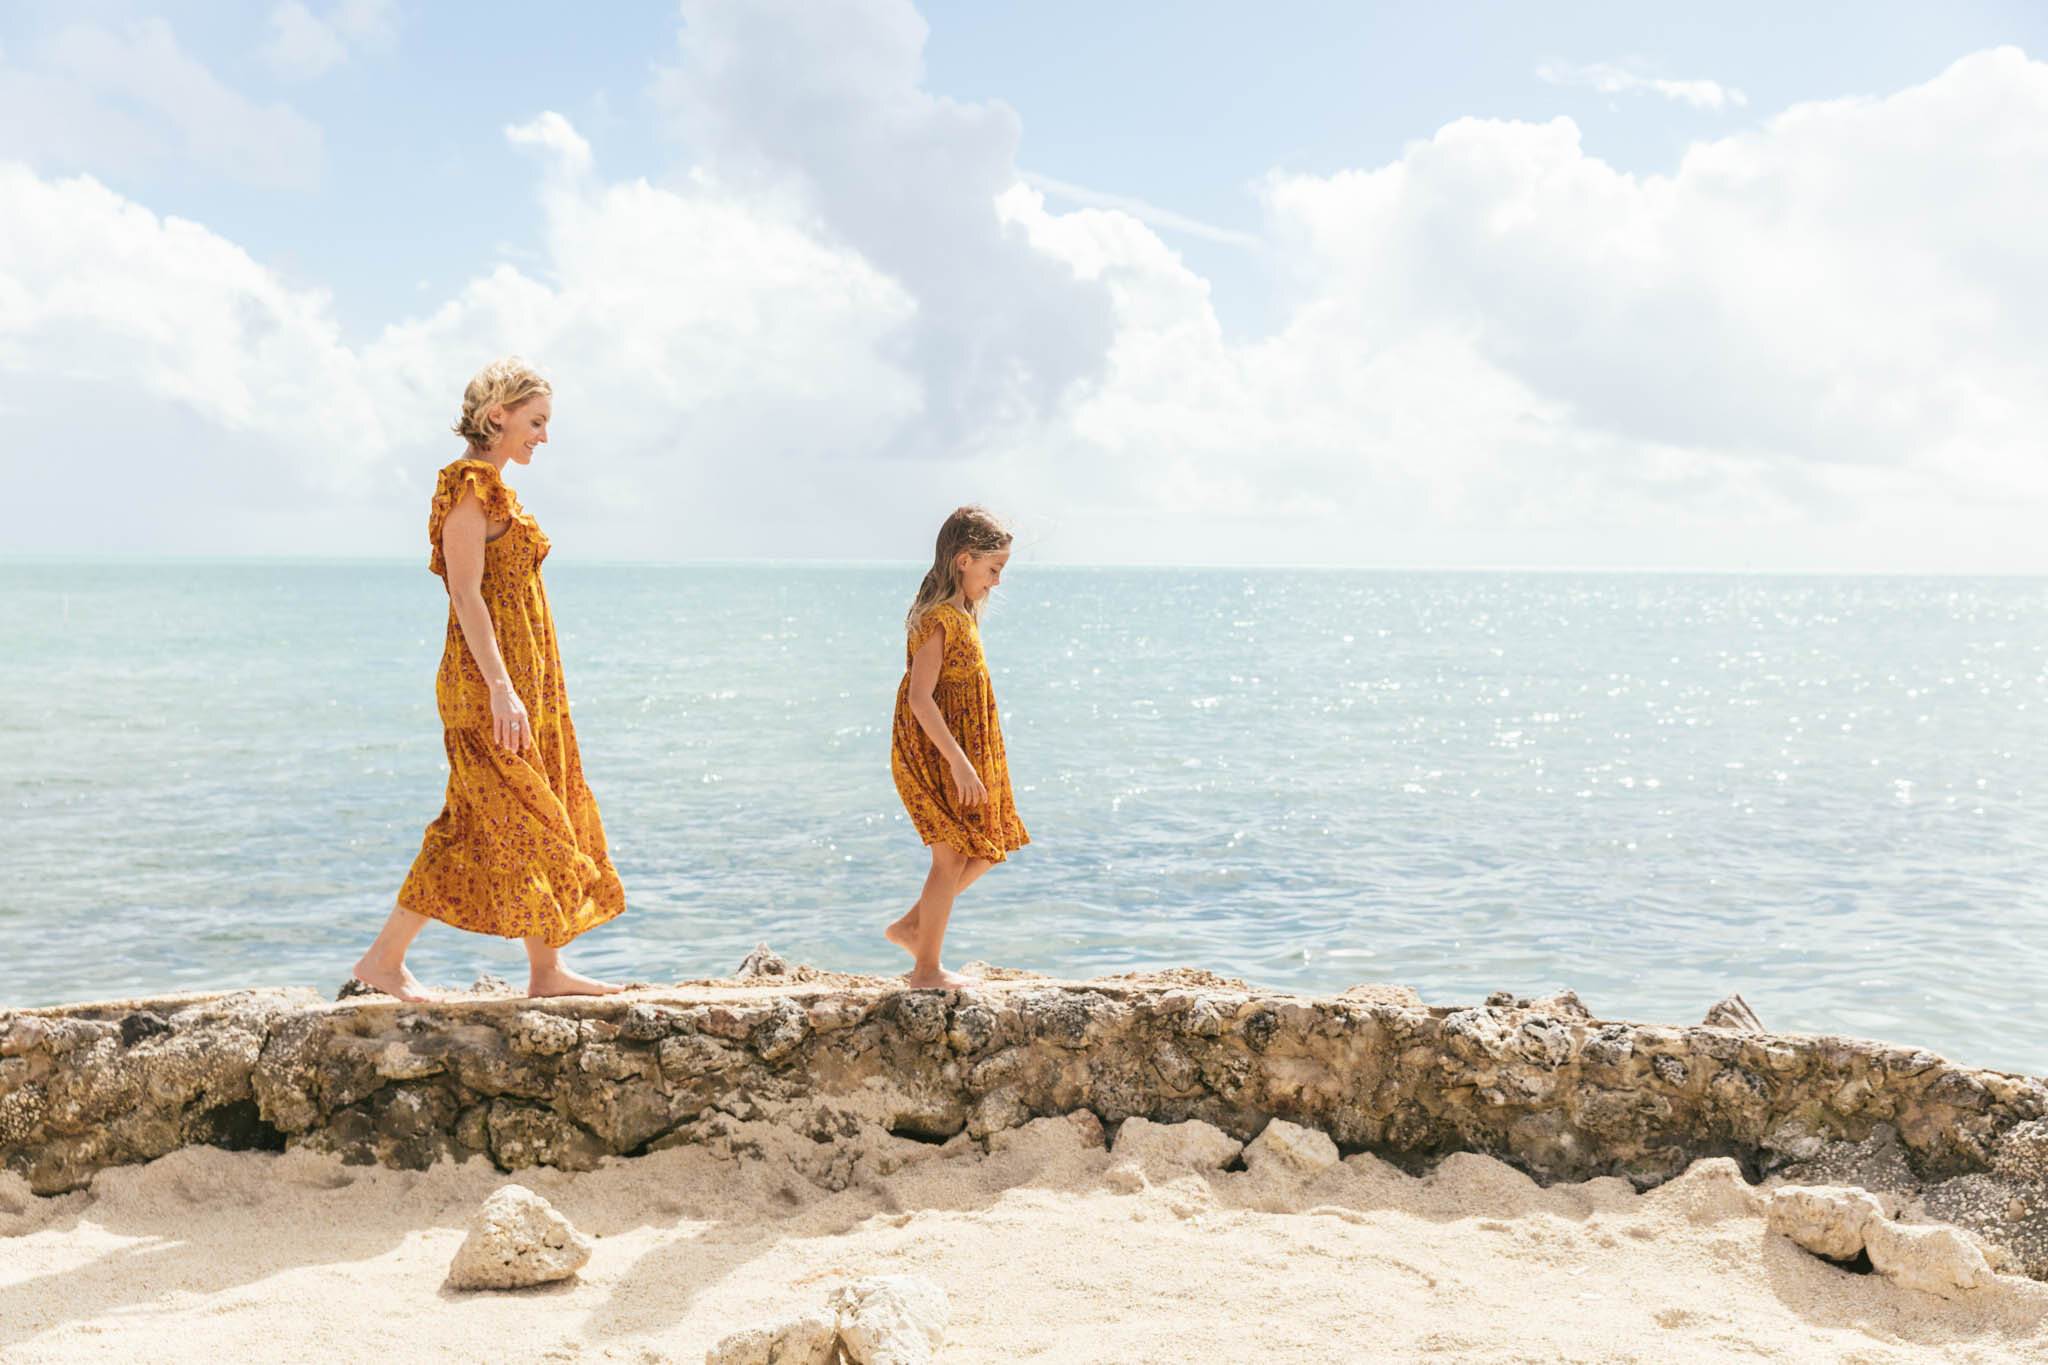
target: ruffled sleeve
933 620
466 479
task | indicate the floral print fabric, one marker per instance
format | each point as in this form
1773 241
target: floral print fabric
967 700
518 849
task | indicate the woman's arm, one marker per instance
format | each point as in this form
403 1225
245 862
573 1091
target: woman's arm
924 676
462 549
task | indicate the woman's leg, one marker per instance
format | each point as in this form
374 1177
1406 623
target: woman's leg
903 933
547 976
383 966
951 870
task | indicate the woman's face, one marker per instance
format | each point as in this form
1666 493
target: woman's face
524 427
980 573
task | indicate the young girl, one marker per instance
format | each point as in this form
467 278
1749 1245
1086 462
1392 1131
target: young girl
947 750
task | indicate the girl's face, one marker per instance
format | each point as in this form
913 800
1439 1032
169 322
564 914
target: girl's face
523 428
979 573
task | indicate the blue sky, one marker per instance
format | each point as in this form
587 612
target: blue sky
1093 262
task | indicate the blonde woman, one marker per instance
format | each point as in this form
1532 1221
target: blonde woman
518 850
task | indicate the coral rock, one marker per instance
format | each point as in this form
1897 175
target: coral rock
1936 1260
1733 1012
1196 1144
1291 1148
1826 1220
763 961
891 1319
517 1239
812 1339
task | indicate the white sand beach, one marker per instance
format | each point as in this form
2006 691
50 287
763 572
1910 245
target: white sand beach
1049 1250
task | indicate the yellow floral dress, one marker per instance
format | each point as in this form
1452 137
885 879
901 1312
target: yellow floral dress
923 779
518 849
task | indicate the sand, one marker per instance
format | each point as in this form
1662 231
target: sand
1049 1251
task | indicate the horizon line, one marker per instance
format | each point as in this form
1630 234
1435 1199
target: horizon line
8 557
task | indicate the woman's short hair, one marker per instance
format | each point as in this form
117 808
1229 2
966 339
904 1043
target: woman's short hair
504 383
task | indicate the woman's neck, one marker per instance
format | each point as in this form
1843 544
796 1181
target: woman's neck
496 459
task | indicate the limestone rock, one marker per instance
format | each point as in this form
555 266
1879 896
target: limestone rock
1733 1012
1080 1130
762 962
2009 1214
1565 1003
2023 1152
1711 1190
1827 1220
812 1339
1202 1146
517 1239
571 1083
1936 1260
1876 1163
1291 1149
1398 997
891 1319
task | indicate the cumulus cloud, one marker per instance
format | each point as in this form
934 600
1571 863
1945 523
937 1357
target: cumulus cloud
709 356
1499 344
303 45
132 99
1610 79
824 104
1811 344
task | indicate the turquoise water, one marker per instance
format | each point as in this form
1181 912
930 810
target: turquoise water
1825 793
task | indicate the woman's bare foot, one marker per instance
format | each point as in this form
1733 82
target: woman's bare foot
562 981
398 982
938 979
903 933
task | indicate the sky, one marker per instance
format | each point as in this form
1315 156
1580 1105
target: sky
1754 287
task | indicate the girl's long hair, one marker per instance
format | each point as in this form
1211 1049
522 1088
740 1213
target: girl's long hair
973 529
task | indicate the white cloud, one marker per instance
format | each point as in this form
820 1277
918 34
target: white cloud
302 45
1813 344
134 100
1610 79
1151 215
711 355
824 104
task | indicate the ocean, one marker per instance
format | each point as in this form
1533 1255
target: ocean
1825 793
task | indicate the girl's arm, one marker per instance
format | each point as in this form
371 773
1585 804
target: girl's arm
462 547
924 676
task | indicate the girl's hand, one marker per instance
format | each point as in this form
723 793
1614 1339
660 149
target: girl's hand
967 788
511 728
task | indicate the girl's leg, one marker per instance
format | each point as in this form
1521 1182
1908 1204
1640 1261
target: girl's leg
547 976
903 933
383 966
951 869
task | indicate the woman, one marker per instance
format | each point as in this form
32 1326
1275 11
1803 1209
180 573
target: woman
518 850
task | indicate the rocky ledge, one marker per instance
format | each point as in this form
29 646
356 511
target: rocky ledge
1541 1084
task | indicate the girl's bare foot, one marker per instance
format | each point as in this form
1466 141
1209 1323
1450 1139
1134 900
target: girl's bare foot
562 981
903 933
397 982
938 979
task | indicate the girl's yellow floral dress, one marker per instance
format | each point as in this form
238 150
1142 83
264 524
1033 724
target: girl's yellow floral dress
968 702
518 849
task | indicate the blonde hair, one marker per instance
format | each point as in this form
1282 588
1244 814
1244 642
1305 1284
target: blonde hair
504 383
973 529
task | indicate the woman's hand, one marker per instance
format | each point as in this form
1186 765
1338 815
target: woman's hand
967 788
511 727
